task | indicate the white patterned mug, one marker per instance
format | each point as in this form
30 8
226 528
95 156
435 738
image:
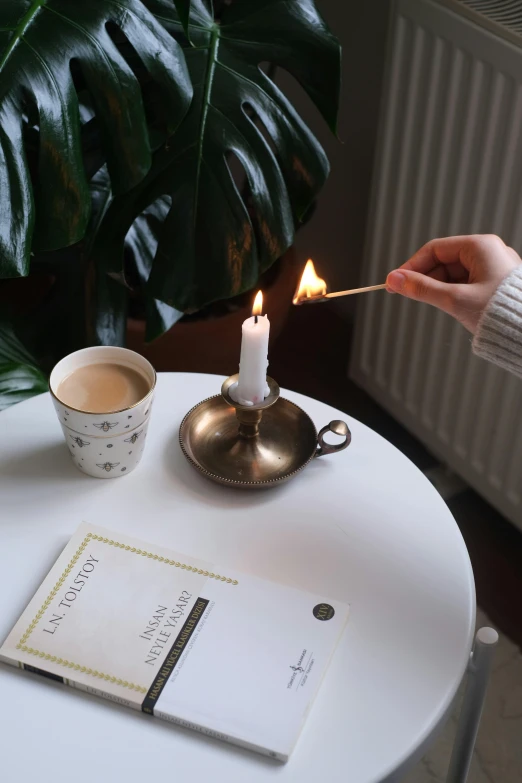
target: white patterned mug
109 444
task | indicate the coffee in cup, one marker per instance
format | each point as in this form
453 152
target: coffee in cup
103 398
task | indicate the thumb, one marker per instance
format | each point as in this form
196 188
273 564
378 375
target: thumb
421 287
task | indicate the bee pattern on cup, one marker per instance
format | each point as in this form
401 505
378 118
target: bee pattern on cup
106 425
134 437
81 443
108 466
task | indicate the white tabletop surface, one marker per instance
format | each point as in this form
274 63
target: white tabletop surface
364 526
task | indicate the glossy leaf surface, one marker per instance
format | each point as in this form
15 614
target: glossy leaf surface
47 49
217 238
19 377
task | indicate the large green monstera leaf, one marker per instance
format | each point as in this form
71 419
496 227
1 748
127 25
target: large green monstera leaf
48 50
217 238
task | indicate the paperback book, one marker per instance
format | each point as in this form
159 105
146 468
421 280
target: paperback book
227 654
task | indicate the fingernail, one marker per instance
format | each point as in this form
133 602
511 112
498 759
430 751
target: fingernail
396 281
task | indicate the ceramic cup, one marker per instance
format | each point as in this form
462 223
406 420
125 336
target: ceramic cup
110 444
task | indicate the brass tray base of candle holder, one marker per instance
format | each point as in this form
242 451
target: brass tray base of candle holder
253 447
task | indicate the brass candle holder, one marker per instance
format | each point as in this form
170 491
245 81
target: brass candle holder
254 447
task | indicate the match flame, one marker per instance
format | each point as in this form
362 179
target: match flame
258 304
310 286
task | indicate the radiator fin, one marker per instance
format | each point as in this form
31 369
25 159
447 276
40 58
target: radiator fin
505 13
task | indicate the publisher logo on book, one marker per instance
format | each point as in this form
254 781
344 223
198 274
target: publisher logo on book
300 670
323 612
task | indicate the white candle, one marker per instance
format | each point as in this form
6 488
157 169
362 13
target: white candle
252 387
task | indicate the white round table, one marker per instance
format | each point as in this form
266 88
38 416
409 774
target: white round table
364 526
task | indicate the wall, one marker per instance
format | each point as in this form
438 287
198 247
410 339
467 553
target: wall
334 237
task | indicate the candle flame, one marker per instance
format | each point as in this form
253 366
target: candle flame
310 285
258 304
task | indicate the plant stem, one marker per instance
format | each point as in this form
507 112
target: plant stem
20 29
209 77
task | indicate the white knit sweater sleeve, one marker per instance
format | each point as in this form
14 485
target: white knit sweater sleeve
499 332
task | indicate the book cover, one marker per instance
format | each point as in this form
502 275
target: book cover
228 654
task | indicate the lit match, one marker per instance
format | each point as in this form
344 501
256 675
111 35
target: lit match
312 288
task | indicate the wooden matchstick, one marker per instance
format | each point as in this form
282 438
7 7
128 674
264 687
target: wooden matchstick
356 291
334 294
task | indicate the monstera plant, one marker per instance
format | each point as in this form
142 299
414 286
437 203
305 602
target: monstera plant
123 126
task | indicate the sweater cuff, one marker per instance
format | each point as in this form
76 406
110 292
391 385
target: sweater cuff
499 332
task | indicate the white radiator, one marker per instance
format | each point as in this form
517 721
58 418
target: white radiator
449 162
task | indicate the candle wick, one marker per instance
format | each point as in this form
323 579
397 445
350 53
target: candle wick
256 319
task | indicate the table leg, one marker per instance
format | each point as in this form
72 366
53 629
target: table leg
471 712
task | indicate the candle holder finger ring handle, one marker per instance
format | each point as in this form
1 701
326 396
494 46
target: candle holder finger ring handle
337 427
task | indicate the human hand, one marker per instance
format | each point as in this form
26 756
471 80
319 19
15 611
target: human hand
456 274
